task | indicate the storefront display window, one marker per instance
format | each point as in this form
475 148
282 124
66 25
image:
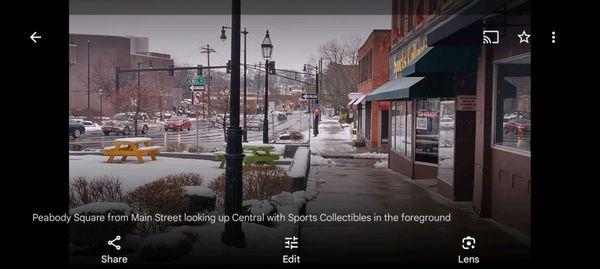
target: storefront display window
401 128
446 141
427 130
513 104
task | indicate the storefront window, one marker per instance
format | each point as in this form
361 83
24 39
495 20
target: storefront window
513 104
446 149
401 128
427 130
409 129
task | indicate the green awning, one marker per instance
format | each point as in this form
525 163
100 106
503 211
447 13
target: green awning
440 60
413 87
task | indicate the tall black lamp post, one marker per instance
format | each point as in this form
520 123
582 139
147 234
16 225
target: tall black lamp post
308 67
267 50
233 234
223 38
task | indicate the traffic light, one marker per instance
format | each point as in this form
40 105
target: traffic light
228 67
171 72
271 67
199 70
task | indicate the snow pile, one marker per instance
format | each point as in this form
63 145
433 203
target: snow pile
311 189
381 164
318 160
299 163
199 191
256 207
286 204
370 155
101 207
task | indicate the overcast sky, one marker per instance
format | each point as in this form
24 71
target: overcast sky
296 38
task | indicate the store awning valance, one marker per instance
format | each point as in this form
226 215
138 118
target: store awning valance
350 103
358 100
441 60
413 87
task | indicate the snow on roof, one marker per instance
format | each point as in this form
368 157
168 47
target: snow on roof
101 207
199 191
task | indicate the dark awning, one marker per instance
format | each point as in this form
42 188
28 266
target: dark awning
413 87
443 60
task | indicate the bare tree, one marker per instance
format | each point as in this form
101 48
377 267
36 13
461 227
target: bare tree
136 99
340 74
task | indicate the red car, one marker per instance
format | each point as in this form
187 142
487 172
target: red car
522 126
178 123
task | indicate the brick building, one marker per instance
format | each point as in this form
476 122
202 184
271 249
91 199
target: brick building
371 119
459 110
104 53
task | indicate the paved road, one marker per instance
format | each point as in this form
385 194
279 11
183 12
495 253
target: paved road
208 137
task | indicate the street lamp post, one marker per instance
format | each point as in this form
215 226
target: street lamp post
316 119
267 50
223 38
233 234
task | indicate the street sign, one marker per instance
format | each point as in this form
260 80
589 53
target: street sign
196 88
197 98
310 96
199 81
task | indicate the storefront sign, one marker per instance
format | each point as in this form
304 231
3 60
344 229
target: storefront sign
421 123
466 103
403 57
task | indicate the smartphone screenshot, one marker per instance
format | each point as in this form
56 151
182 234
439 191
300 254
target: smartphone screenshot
289 133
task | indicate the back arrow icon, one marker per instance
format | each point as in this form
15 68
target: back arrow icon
34 37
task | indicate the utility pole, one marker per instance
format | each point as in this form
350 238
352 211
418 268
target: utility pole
208 51
88 80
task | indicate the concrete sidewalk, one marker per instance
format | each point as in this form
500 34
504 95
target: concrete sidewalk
356 186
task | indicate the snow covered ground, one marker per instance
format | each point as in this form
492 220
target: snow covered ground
381 164
133 174
331 138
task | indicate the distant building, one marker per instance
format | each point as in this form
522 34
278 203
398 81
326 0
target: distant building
106 52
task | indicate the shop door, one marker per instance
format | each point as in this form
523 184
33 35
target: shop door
385 117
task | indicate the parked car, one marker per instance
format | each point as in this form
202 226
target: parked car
281 116
123 123
178 123
255 124
517 126
76 129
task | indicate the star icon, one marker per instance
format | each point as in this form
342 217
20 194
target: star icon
524 37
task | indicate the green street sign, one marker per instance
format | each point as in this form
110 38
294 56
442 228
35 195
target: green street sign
197 81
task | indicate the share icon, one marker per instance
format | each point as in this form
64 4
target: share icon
112 242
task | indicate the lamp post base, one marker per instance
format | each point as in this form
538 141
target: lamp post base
266 131
233 234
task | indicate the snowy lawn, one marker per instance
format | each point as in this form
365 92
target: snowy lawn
133 174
